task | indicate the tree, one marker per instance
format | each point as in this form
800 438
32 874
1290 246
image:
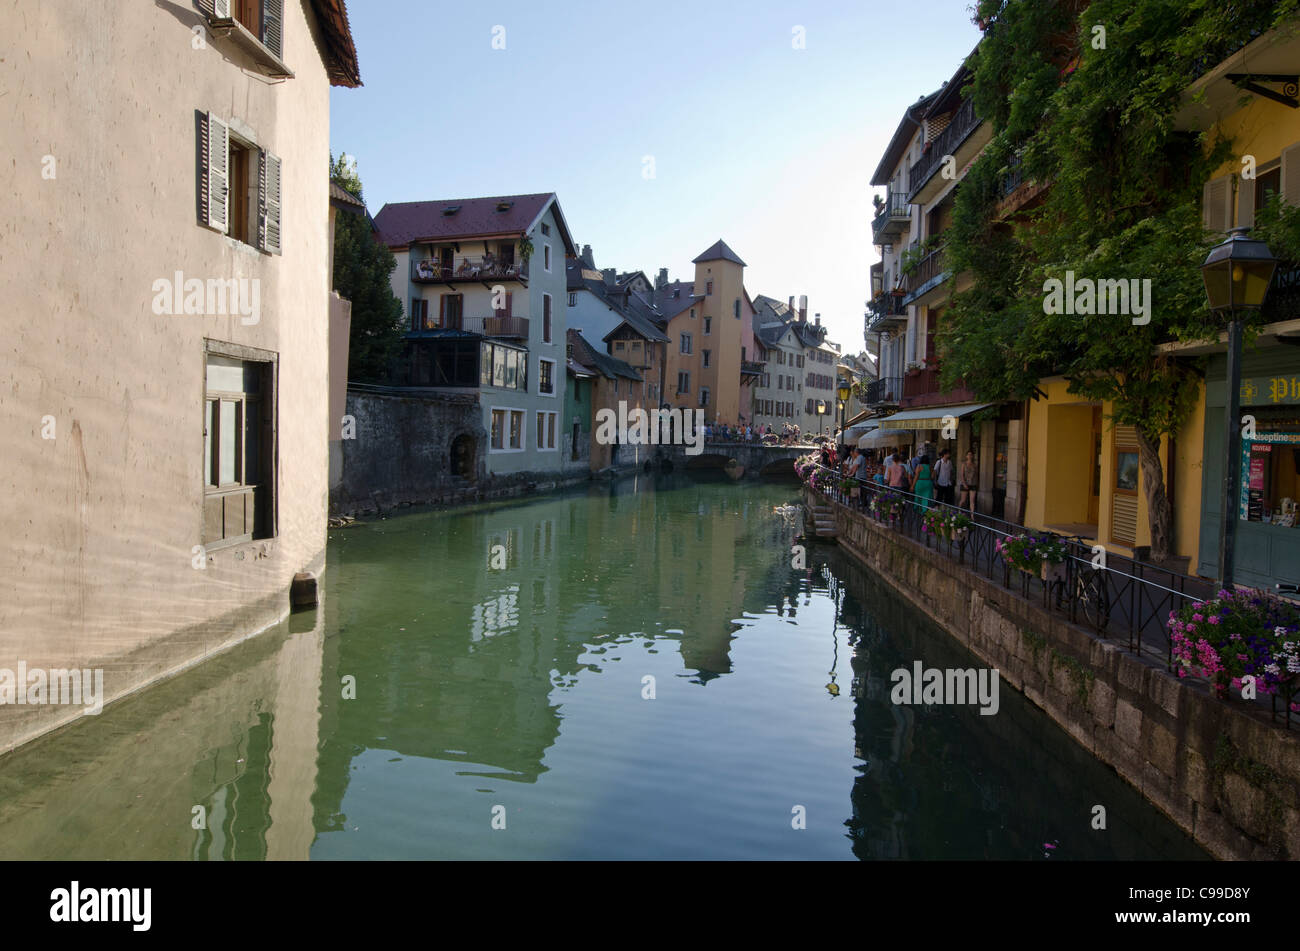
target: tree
362 270
1095 121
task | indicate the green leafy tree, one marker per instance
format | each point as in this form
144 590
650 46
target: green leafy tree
362 271
1091 113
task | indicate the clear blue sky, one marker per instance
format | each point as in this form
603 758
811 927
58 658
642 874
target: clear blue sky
768 147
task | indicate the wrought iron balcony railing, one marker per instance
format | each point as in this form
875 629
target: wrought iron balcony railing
964 122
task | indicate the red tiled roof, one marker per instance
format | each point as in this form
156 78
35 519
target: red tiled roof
402 222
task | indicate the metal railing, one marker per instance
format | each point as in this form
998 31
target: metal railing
468 268
1117 597
888 389
964 122
1283 299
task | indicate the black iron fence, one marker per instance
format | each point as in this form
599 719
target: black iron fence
1117 597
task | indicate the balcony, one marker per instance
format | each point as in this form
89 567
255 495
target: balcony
923 280
1015 191
507 328
895 217
959 141
886 391
885 312
485 269
921 388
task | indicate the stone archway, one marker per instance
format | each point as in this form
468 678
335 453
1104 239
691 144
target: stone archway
463 457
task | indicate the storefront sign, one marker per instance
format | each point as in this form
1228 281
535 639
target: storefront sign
1270 390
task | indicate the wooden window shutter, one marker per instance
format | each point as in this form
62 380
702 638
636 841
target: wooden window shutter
509 303
221 9
442 310
1216 203
1245 202
216 177
1290 185
269 203
273 25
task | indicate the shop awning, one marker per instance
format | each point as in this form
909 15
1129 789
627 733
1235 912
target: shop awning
931 417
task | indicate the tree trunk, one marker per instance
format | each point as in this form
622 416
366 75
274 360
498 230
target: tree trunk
1153 482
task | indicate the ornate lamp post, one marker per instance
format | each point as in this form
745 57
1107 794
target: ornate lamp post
1237 273
822 410
843 391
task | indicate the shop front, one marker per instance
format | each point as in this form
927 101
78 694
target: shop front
1268 534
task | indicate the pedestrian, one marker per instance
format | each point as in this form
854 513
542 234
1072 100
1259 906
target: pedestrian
968 482
944 481
895 474
923 482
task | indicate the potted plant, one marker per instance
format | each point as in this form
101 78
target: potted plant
950 526
525 248
914 368
1238 634
1039 555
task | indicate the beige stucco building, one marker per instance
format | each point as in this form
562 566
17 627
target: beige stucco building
163 392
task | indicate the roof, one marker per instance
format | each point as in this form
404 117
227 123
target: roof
588 356
673 298
404 222
340 53
343 198
719 251
949 96
902 137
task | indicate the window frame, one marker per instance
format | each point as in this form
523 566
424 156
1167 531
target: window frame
541 377
266 521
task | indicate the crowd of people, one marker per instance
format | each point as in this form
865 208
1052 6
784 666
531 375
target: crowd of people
930 476
787 435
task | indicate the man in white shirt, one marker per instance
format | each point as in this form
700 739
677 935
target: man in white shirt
944 475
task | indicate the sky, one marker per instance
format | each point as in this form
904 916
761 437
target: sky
661 127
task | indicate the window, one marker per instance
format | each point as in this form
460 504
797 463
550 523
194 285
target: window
517 429
239 432
259 30
241 189
618 345
686 343
636 344
683 382
704 396
573 298
419 313
546 230
735 308
546 374
498 428
692 313
705 355
708 326
708 287
546 255
503 367
546 317
451 308
546 431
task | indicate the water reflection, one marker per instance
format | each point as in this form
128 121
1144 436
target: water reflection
499 657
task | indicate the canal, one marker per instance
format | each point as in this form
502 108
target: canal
624 671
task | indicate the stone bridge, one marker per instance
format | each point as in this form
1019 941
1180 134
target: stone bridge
756 460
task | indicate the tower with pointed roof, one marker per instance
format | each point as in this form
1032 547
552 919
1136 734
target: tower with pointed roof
720 285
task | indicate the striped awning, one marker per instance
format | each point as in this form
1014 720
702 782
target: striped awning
932 417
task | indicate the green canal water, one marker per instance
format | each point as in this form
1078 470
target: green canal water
625 671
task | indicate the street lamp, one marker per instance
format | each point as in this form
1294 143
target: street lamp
1237 273
843 391
822 410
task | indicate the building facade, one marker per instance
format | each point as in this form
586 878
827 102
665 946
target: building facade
172 393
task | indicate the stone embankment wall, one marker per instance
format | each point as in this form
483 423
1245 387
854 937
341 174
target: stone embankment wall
400 453
1221 770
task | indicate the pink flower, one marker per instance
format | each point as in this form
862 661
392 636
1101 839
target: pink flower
1214 619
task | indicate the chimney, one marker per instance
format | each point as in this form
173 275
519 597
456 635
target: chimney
791 305
587 259
610 275
817 319
662 279
803 308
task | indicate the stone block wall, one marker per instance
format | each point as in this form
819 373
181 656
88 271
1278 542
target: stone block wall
1220 770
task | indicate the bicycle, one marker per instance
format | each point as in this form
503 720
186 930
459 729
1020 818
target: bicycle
1089 590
